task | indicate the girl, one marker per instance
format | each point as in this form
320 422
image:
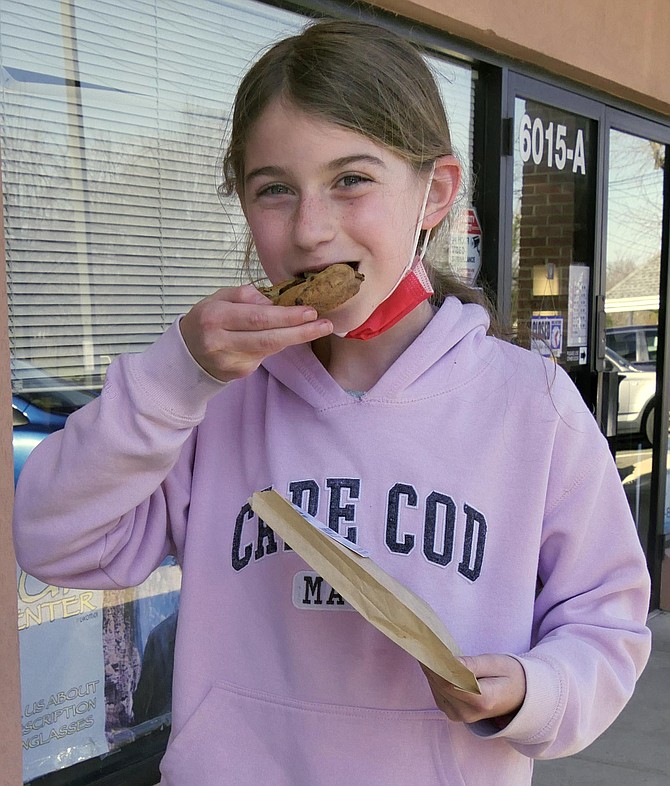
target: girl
466 467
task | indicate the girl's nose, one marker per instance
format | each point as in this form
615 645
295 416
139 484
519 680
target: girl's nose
314 222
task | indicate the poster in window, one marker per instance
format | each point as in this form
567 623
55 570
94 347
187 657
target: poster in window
62 676
96 667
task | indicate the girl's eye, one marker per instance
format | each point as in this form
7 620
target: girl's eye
353 180
274 189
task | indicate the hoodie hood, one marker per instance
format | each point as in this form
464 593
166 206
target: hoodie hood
456 334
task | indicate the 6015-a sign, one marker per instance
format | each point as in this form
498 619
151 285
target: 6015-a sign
551 144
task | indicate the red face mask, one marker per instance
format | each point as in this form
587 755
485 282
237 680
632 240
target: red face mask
412 289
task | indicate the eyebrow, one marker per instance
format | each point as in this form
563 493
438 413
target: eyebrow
337 163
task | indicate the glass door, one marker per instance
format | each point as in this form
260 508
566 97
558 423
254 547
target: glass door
637 215
554 301
553 231
589 226
634 219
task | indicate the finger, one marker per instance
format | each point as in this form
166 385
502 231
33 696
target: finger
250 317
269 341
461 707
454 709
441 684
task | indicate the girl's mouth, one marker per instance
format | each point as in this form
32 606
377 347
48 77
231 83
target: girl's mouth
353 264
325 290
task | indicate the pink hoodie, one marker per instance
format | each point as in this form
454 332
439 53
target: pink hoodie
470 470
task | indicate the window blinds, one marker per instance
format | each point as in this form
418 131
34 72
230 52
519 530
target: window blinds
113 121
113 224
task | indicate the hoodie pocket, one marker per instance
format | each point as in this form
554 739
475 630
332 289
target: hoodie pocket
245 737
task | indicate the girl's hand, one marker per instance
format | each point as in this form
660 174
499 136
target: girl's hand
230 332
503 684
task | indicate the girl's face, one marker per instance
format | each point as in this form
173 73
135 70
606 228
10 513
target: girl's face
316 193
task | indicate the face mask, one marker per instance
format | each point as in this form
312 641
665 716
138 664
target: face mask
411 289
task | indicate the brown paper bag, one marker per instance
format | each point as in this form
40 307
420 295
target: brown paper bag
386 603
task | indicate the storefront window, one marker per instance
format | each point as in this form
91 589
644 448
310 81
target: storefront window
113 117
459 246
633 267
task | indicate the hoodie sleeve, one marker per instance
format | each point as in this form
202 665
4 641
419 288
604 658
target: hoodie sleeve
590 641
101 502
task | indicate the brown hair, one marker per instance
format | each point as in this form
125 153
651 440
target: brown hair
361 77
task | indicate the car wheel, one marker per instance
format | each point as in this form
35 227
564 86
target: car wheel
648 424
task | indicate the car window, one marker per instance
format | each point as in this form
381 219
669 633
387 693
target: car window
48 393
614 362
651 337
624 344
637 345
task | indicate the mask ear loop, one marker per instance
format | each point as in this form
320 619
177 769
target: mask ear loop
424 245
417 233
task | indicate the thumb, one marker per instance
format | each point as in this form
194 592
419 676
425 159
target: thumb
250 294
469 661
482 665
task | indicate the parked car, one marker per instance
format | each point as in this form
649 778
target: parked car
637 397
637 344
40 405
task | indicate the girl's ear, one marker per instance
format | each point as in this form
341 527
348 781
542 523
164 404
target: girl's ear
443 190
